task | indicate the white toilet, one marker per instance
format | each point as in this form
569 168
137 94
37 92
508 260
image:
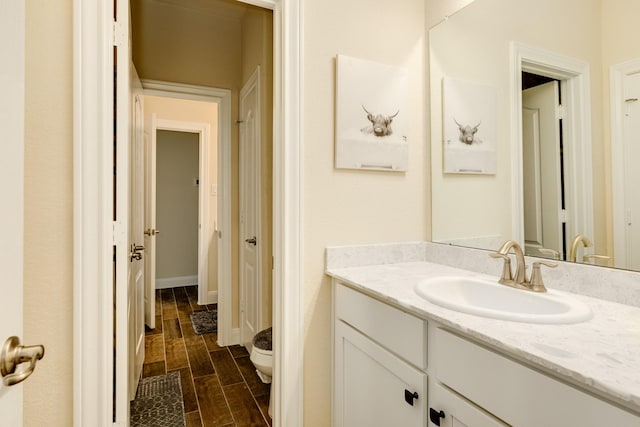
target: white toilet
262 359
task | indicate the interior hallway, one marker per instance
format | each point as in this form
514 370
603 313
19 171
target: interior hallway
219 384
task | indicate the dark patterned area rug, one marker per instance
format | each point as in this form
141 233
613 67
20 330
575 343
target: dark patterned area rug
158 402
205 322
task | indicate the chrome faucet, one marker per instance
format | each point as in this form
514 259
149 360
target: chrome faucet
519 278
573 252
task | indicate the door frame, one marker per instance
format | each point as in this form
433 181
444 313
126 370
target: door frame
547 197
94 33
617 73
252 83
222 97
203 130
575 85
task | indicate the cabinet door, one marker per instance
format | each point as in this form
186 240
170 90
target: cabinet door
446 409
373 387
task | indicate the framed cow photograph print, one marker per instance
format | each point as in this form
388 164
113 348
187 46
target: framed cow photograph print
469 127
371 115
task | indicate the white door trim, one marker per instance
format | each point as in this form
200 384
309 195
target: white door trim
576 89
93 36
288 238
93 207
617 75
222 97
12 131
203 130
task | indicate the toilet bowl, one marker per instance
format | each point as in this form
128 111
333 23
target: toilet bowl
262 358
263 361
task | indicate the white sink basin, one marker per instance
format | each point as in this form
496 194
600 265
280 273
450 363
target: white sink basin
486 298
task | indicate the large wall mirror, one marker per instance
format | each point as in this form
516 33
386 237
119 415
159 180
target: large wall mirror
548 91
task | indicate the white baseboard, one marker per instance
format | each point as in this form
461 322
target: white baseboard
174 282
234 337
212 297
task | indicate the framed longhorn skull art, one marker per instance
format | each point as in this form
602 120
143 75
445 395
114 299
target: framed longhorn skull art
469 127
371 115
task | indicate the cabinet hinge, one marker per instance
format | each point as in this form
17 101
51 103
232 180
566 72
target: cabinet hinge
119 34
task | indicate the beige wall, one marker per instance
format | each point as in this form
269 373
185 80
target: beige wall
480 35
179 44
48 210
257 49
343 206
198 112
437 10
177 204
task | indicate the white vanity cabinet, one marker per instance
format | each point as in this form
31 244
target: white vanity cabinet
379 358
516 393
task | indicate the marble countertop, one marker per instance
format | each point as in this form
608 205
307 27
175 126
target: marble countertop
601 354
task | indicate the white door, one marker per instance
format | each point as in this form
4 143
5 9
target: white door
631 132
135 279
11 191
150 231
531 171
128 240
250 283
542 171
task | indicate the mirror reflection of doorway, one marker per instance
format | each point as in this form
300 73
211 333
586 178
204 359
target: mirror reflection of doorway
625 128
543 167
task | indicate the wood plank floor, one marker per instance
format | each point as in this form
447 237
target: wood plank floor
219 384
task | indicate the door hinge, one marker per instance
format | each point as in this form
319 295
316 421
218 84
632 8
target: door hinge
118 233
120 36
560 112
563 215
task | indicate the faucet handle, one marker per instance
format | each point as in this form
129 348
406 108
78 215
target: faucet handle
536 283
595 257
506 276
555 254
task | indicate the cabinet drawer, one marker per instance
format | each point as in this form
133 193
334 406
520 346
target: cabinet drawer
394 329
515 393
